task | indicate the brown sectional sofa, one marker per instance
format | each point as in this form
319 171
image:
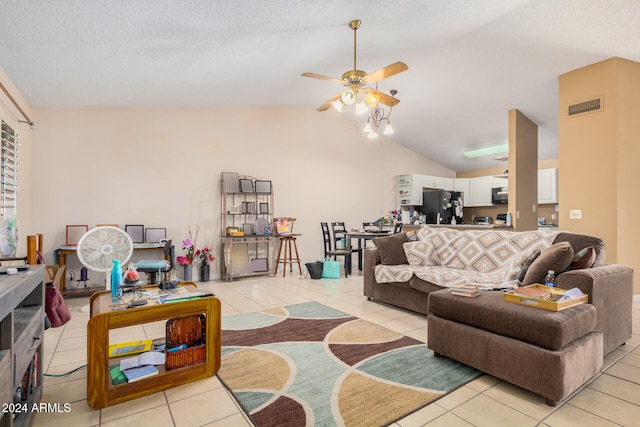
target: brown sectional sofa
610 289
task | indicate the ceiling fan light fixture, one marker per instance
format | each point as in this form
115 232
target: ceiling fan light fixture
361 107
372 134
388 129
348 97
372 99
338 105
367 128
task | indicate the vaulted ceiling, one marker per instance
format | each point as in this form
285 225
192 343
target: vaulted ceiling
470 61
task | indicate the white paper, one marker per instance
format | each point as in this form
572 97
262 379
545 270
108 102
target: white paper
573 293
148 358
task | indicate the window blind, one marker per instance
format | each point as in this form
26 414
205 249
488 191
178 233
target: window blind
8 171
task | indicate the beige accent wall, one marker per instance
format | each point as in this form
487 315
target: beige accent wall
162 168
598 157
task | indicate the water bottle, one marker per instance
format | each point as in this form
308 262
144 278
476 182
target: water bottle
116 281
508 219
550 280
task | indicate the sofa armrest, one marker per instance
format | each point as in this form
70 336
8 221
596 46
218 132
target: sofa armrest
610 290
371 259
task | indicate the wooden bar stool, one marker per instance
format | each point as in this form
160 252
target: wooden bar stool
284 229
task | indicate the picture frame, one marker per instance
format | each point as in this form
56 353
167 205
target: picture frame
231 182
247 228
155 235
263 186
251 207
262 225
259 264
264 208
136 232
246 185
74 233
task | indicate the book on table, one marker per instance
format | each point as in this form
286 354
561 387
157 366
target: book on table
148 358
136 374
532 292
465 291
129 347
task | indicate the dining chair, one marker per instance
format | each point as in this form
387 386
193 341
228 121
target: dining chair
371 225
331 251
340 233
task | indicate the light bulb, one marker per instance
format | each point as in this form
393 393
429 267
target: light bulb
372 99
388 129
361 105
338 104
348 97
367 127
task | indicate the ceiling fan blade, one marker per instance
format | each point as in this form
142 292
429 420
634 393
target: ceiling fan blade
388 71
327 105
387 100
321 77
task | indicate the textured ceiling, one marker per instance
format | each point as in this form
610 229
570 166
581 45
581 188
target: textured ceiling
470 61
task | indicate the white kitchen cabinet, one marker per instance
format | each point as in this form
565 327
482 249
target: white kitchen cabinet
498 182
479 191
547 186
462 184
409 190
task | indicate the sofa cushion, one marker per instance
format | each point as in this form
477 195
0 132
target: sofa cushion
527 263
583 259
581 241
548 329
557 258
421 253
391 250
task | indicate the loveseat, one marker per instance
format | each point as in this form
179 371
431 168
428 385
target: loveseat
403 271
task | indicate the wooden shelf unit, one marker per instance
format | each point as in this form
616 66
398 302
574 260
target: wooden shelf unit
101 392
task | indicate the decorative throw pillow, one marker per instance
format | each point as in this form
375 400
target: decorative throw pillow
556 257
421 253
584 258
526 264
390 249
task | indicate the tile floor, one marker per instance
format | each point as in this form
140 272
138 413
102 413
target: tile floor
612 398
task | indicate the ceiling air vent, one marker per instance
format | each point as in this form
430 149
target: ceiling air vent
585 107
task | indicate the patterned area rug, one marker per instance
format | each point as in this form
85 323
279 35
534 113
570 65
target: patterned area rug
311 365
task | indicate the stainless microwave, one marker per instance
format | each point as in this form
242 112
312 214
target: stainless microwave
499 195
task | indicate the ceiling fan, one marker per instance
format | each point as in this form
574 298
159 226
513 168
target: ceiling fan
356 82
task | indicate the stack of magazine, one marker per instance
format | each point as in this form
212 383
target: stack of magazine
465 291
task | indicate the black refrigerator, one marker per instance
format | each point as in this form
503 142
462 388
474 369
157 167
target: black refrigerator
448 204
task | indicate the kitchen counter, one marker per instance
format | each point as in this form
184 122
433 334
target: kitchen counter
462 226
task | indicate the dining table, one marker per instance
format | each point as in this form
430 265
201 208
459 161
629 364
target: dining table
362 236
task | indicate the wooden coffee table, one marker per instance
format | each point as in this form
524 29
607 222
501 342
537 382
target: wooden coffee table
100 390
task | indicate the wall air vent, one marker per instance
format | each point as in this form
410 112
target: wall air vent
585 107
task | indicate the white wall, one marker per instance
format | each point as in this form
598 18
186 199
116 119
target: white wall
162 168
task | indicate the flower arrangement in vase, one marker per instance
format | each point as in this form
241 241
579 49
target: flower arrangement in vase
188 245
206 257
